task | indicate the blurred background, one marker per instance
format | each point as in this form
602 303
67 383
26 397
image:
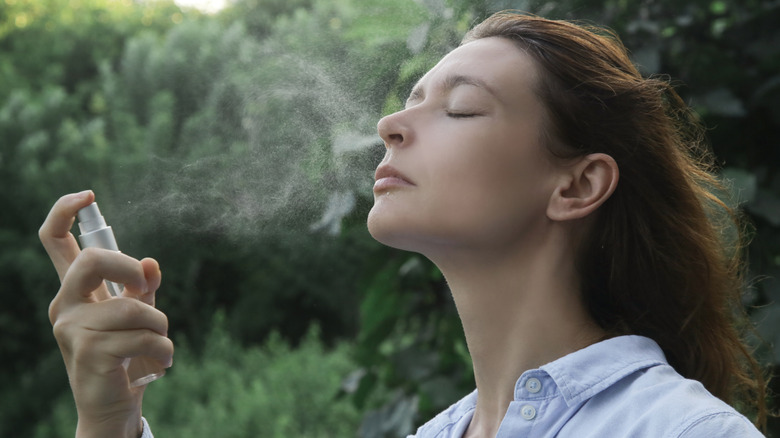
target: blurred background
234 141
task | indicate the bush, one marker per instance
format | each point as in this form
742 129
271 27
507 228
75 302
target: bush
234 391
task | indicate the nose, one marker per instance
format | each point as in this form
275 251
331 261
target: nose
393 130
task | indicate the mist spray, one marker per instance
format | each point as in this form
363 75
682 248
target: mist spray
96 234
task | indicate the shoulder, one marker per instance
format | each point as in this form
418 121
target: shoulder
720 424
658 402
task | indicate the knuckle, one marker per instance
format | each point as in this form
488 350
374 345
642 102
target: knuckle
64 332
165 322
59 328
62 322
162 345
129 309
147 341
89 257
54 310
169 346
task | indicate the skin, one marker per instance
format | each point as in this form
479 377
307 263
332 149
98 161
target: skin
467 182
94 331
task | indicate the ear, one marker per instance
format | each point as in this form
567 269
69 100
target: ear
583 187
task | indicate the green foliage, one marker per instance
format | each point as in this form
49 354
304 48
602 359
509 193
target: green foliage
61 42
154 118
411 348
231 391
260 16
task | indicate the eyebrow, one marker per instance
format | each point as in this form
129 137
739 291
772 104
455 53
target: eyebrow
451 82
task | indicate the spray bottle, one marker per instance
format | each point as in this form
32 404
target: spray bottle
96 234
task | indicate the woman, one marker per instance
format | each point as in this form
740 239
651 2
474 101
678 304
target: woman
568 203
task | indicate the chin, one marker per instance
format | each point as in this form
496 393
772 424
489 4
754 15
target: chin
395 231
380 226
388 228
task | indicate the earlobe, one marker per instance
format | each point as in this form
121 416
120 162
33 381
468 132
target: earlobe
584 187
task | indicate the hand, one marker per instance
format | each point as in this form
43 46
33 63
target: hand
95 332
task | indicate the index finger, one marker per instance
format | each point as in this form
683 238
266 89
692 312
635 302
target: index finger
55 232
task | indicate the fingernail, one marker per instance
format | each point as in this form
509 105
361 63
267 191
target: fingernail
84 194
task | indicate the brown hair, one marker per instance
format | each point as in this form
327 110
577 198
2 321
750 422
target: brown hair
664 258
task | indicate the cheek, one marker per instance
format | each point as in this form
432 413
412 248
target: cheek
503 185
497 171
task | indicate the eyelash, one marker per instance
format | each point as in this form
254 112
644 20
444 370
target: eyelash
460 115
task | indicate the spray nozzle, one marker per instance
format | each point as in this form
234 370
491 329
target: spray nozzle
94 231
90 219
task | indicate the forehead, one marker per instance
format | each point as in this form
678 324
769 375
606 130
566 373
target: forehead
497 62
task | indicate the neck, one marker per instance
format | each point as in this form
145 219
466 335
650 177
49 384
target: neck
519 311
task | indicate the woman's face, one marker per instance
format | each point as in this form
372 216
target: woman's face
464 166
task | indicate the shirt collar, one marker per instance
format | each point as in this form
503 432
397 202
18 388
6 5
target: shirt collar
584 373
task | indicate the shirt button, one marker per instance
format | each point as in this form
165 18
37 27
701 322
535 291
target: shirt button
528 412
533 385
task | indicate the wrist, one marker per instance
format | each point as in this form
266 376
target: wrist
124 428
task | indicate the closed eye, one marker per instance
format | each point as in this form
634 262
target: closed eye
456 115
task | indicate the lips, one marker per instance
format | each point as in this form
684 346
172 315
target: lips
388 177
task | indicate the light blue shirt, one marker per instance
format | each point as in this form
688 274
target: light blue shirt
619 388
147 433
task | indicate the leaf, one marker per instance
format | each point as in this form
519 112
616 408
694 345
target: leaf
719 7
380 308
365 388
